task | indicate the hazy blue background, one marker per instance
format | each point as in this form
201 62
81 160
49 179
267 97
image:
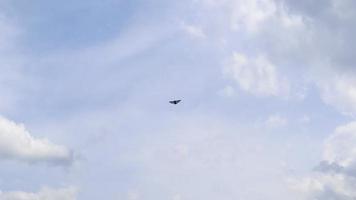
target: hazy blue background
264 86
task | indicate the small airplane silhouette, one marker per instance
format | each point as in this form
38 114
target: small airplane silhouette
175 101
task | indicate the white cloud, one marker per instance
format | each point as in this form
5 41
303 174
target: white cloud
339 90
294 34
327 186
257 76
340 147
250 14
328 49
335 176
43 194
16 143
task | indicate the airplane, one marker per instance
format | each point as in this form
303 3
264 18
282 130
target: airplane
175 101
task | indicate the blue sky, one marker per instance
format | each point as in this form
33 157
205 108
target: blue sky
267 87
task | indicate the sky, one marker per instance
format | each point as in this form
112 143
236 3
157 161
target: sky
268 91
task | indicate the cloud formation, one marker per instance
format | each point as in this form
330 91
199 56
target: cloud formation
316 44
16 143
272 45
43 194
257 76
338 89
328 49
334 178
